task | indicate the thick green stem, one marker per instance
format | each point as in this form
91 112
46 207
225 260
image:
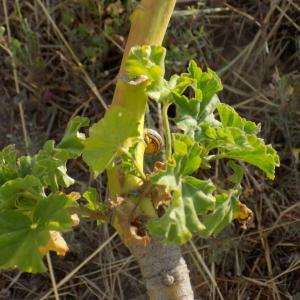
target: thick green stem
149 23
163 268
168 135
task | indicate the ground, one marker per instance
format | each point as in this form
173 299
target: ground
63 49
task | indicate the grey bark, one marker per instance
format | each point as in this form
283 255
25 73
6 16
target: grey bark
164 270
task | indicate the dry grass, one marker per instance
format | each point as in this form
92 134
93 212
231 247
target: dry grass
65 63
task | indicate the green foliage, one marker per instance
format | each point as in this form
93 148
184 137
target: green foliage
106 138
147 61
212 131
72 141
94 202
222 215
31 199
27 212
238 172
191 196
22 235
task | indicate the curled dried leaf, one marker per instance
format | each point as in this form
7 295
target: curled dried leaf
74 196
159 166
127 222
160 197
75 219
56 243
243 215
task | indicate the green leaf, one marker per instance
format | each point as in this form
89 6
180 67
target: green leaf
19 242
199 192
107 136
238 172
256 153
226 205
200 108
21 193
172 226
8 164
49 164
187 155
52 213
234 143
147 61
191 197
186 161
72 141
230 118
208 82
25 164
21 236
93 200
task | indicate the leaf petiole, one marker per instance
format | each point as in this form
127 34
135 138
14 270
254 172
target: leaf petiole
137 166
167 131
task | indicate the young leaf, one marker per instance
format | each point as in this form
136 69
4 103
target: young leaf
147 61
72 141
107 136
49 164
93 200
187 155
208 82
200 108
21 193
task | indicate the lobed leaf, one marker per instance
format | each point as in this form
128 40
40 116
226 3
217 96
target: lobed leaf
234 143
22 236
226 205
191 197
93 200
49 164
238 172
107 136
21 193
230 118
72 141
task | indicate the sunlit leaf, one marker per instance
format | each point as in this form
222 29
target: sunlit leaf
147 61
93 200
52 213
72 140
230 118
238 172
49 164
191 197
107 136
